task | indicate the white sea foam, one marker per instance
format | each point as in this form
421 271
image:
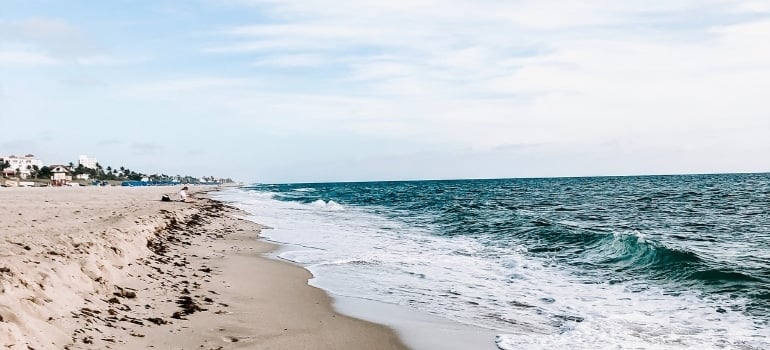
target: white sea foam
305 189
328 205
535 304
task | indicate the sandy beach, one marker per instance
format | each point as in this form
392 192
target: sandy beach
98 268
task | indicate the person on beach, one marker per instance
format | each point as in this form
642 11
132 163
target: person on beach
183 194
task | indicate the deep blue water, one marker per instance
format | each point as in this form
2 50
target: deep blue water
679 240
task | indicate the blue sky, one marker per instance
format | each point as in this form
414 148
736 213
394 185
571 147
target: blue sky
290 91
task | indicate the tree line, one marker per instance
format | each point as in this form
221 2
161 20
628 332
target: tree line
109 174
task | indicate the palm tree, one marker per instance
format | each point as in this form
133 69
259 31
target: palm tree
99 170
45 172
3 166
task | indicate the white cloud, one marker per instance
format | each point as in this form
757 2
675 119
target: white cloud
54 36
39 41
179 87
482 74
109 60
25 58
291 61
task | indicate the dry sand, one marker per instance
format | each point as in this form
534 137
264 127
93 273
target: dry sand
98 268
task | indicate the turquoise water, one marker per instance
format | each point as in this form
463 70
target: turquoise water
655 261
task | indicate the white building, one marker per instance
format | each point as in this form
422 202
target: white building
21 166
60 175
87 162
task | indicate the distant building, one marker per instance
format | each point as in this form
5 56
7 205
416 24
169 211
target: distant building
21 167
87 162
60 175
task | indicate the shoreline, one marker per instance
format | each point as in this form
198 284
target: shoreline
417 329
95 268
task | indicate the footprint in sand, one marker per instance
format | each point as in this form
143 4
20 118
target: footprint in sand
230 339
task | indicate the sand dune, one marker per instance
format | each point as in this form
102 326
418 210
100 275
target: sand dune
96 268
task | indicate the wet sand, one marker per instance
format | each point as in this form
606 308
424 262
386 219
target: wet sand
97 268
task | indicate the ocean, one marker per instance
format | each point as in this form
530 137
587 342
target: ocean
647 262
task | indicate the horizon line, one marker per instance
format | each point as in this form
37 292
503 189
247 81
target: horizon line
510 178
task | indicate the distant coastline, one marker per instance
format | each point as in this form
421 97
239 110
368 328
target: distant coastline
28 171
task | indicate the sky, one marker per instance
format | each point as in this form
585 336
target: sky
277 91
